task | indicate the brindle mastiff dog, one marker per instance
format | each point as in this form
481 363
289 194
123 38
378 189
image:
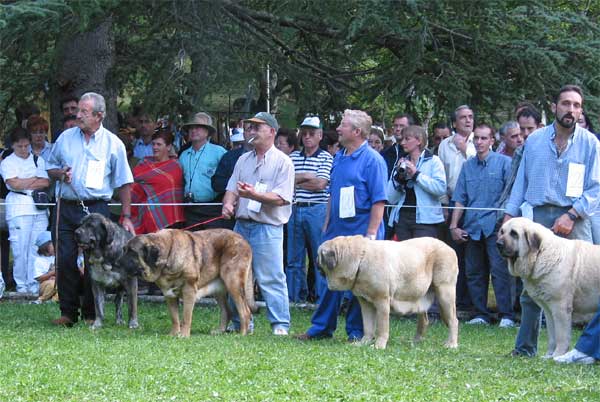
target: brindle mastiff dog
401 276
103 242
192 265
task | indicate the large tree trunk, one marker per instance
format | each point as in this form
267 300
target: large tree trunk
83 64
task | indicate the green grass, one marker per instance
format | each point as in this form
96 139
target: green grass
43 363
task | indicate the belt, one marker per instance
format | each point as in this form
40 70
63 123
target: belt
306 204
87 203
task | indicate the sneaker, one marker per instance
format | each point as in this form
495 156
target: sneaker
2 288
280 332
575 356
507 323
477 321
36 301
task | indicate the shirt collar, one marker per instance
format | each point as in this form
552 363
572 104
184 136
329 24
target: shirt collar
358 150
572 137
96 134
316 153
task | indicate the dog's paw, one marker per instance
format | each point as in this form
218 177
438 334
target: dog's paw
133 324
96 325
217 331
120 321
379 344
451 345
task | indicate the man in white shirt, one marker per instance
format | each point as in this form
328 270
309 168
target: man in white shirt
453 152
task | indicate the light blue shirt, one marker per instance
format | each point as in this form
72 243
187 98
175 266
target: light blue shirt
198 169
429 187
480 185
141 150
71 150
542 175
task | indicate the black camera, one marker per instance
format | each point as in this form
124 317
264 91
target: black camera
401 172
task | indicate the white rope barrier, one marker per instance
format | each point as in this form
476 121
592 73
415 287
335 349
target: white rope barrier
114 204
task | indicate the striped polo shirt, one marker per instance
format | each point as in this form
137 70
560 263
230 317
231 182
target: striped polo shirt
318 163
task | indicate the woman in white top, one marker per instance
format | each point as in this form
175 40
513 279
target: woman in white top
25 220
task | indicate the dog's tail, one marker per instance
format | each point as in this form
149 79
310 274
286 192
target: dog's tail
249 291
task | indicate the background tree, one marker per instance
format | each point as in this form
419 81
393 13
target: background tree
423 57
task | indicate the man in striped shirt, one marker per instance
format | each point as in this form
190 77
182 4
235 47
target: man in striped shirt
312 166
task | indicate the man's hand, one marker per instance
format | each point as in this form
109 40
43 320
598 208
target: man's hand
461 143
563 225
128 225
228 211
459 235
67 175
245 190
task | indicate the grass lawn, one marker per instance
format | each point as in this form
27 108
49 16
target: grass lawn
41 363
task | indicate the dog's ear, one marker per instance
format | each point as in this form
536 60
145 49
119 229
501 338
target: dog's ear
104 224
533 239
151 254
328 258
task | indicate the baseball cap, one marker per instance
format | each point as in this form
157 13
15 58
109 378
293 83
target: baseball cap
237 135
311 121
265 118
43 238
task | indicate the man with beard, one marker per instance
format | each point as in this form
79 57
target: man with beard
558 186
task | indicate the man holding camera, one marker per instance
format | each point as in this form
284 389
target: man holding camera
479 185
199 163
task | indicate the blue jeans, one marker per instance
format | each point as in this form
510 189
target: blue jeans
589 341
305 226
324 319
482 259
267 265
527 338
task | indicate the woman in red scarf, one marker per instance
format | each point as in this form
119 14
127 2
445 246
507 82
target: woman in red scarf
158 179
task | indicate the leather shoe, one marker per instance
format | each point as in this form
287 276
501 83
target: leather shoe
307 337
63 321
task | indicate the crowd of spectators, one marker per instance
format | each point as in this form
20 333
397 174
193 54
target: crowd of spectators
286 190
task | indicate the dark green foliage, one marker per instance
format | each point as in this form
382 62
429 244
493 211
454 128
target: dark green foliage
425 57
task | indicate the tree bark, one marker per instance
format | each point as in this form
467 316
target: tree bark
84 62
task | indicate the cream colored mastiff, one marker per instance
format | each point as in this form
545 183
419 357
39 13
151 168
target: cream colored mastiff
404 276
562 276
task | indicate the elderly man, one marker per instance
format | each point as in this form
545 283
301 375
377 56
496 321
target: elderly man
312 166
355 207
511 137
199 163
259 195
558 185
454 151
90 162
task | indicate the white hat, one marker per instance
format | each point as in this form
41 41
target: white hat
236 135
311 121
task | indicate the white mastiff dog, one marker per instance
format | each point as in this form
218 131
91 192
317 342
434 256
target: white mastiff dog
404 276
562 276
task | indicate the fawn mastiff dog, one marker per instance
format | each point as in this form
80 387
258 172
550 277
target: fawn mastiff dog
103 242
562 276
191 265
401 276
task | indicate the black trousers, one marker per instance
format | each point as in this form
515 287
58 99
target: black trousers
74 291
